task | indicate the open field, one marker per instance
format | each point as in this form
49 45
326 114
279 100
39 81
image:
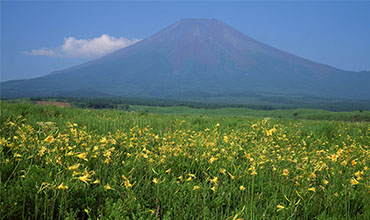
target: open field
61 104
310 114
69 163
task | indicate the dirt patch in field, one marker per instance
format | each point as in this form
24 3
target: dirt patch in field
61 104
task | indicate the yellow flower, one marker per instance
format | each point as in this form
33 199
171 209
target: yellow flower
212 159
87 211
155 180
336 194
128 184
96 181
107 187
192 175
334 157
242 188
214 188
354 181
103 140
280 207
222 170
85 178
353 162
74 167
325 182
168 171
82 156
254 172
62 186
42 151
312 175
214 180
285 172
49 139
231 176
196 187
358 173
312 189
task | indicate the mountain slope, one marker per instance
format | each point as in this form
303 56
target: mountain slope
192 57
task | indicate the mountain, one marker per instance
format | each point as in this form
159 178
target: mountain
196 58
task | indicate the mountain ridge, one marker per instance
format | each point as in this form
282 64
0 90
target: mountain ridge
197 55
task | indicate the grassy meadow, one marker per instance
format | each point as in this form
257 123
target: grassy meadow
70 163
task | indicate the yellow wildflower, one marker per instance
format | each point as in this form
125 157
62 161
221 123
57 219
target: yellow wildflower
285 172
214 180
107 187
192 175
74 167
62 186
124 177
358 173
242 188
49 139
196 187
354 181
155 180
231 176
312 176
128 184
222 170
312 189
212 159
85 178
42 151
254 172
82 156
325 182
280 207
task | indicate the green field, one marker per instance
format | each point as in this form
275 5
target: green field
183 163
310 114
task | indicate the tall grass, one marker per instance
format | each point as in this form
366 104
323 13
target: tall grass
66 163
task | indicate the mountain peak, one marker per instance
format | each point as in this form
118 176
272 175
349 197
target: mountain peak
197 56
199 20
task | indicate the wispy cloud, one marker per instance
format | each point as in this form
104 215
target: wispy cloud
84 48
41 52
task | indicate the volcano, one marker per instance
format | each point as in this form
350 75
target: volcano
191 58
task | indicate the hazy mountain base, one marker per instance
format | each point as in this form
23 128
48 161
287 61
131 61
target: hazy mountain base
266 101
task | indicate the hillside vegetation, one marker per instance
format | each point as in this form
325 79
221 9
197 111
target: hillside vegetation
70 163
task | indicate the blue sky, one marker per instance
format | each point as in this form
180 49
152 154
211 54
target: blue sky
40 37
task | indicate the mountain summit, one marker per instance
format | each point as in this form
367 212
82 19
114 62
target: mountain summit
193 57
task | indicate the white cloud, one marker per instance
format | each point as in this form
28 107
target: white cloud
41 52
85 48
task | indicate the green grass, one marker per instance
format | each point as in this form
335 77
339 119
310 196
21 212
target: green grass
311 114
150 165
